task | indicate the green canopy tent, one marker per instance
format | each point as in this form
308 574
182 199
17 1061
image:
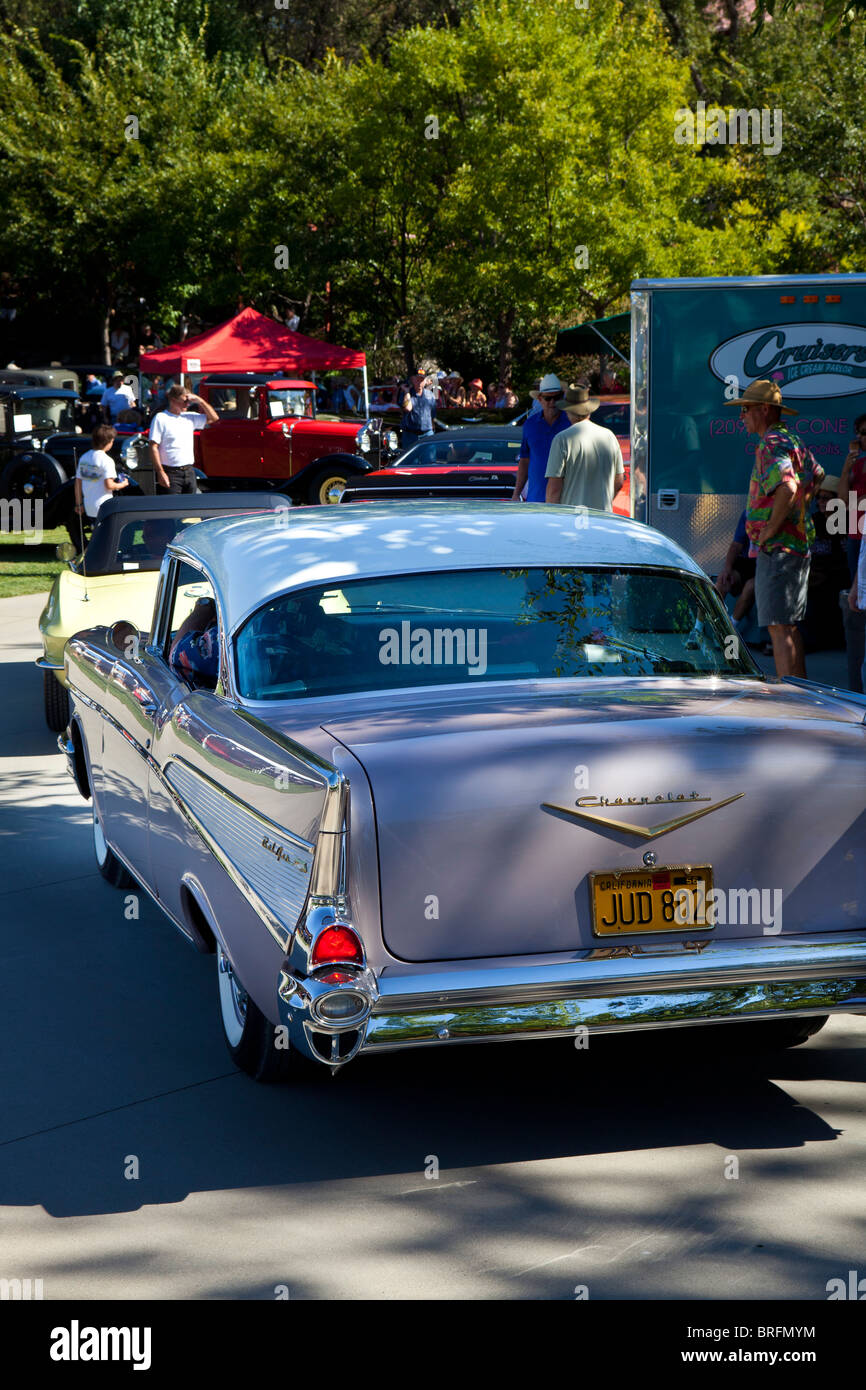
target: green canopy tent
597 335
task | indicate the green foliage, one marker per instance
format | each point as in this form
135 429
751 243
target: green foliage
457 188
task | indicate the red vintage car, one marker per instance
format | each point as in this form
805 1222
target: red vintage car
269 435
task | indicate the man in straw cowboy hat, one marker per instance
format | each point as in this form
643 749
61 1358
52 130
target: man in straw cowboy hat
585 467
778 521
540 429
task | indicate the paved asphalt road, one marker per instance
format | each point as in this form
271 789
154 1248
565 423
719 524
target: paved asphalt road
556 1167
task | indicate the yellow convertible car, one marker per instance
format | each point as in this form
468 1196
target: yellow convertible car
117 574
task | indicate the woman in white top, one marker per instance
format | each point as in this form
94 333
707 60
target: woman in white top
96 476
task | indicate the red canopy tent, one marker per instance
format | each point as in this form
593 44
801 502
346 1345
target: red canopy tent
250 342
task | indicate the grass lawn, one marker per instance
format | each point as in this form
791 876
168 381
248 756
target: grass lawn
29 569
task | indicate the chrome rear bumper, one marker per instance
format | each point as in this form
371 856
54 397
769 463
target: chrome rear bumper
605 991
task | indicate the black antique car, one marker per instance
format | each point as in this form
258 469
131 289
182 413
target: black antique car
41 442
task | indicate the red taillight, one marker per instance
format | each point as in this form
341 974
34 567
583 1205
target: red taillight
811 298
788 299
337 943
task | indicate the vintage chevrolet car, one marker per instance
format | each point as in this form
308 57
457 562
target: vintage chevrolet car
116 575
459 772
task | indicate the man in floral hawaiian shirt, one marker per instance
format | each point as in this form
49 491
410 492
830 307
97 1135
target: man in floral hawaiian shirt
778 521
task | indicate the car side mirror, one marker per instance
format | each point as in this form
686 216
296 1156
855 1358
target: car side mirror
66 551
125 637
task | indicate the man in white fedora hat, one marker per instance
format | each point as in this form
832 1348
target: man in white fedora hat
585 468
539 431
778 521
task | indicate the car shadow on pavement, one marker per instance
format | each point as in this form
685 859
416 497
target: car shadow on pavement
488 1105
23 732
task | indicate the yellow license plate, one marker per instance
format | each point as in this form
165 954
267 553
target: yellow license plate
646 900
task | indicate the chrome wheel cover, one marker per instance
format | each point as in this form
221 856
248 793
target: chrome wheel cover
99 845
233 1000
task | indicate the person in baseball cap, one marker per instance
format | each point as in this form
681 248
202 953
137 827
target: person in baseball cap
116 398
539 431
778 520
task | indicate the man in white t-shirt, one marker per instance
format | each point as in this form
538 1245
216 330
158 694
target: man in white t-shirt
96 476
584 466
116 398
172 440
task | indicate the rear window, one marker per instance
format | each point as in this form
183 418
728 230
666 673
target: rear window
493 625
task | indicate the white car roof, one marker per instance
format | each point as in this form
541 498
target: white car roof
252 559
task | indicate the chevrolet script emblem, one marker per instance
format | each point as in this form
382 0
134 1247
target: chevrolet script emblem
643 832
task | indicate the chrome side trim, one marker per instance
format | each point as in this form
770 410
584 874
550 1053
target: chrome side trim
303 846
279 930
110 719
325 771
328 879
288 891
851 696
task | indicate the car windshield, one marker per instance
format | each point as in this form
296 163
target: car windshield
46 413
614 416
292 400
142 543
234 402
471 453
496 625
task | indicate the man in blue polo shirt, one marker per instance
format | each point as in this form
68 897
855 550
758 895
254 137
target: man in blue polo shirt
539 431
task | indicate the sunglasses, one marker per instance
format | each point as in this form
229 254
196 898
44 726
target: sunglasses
554 397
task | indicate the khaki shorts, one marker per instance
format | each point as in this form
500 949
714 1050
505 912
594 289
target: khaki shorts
781 584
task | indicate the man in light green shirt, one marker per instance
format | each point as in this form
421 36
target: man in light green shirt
584 467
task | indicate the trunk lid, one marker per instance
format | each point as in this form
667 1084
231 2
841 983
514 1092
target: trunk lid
473 865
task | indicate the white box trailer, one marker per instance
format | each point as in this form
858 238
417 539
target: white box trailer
688 339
